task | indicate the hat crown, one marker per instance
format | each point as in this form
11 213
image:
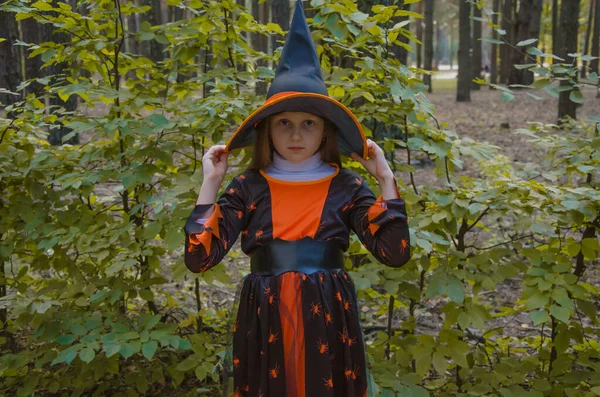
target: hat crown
299 68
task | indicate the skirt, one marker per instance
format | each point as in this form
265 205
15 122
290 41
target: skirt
298 335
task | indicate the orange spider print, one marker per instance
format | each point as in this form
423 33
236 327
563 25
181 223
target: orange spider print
236 362
345 276
315 308
242 176
225 243
343 335
345 207
358 181
273 373
303 277
244 232
252 206
233 190
338 296
258 311
351 373
258 234
237 393
271 299
246 388
321 225
382 252
272 337
351 341
403 245
321 278
347 305
239 214
328 318
323 347
267 290
328 382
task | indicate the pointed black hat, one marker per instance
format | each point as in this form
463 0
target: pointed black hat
298 86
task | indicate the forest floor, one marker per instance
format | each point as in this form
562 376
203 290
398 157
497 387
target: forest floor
487 118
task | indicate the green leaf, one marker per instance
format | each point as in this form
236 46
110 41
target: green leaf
149 348
158 119
560 313
87 354
539 317
40 5
66 339
126 350
456 289
187 364
536 301
439 362
576 96
526 42
111 349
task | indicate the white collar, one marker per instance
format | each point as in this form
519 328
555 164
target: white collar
311 163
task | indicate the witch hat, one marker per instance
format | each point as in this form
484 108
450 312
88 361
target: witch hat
298 86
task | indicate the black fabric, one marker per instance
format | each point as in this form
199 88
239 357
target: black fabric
306 255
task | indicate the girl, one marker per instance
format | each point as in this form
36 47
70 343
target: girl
297 331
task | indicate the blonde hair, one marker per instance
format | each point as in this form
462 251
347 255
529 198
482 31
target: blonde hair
263 148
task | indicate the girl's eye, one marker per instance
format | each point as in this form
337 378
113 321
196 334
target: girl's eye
283 122
309 123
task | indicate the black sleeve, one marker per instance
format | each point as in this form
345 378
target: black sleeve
207 243
381 225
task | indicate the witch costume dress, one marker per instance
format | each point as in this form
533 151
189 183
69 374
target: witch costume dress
297 329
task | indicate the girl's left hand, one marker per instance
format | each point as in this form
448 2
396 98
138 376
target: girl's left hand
377 164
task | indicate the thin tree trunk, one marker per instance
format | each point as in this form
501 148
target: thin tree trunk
569 26
476 56
494 55
555 27
400 52
10 75
451 57
505 50
419 34
261 42
428 42
588 31
528 27
596 42
463 90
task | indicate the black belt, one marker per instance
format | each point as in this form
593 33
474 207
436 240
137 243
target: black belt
306 255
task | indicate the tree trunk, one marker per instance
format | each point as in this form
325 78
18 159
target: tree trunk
588 31
428 42
494 55
596 42
555 27
505 50
261 41
10 76
399 52
528 27
476 57
439 47
463 89
280 14
451 57
419 34
58 130
569 26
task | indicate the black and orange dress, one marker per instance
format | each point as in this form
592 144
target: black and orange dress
297 331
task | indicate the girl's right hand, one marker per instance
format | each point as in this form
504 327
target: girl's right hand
214 163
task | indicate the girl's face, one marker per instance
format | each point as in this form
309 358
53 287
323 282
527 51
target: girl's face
297 135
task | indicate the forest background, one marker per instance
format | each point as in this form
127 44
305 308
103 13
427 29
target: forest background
107 108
